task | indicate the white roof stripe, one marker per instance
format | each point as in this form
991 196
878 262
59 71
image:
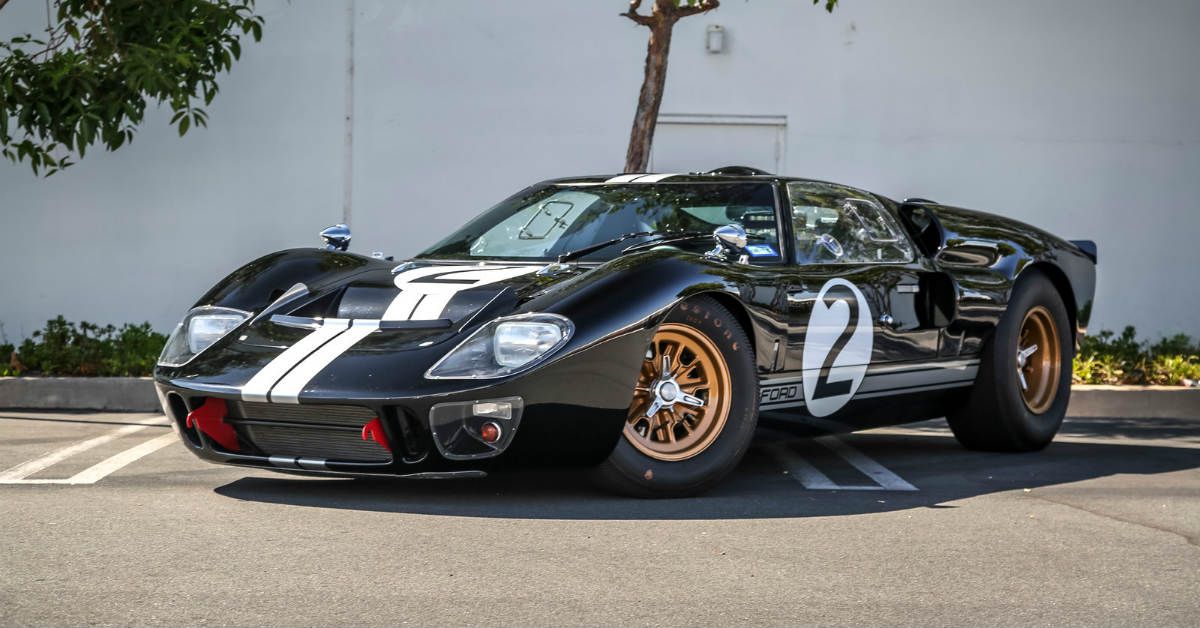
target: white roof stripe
625 178
654 178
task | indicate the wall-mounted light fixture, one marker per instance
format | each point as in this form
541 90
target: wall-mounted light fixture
714 39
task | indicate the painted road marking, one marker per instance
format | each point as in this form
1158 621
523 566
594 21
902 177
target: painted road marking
100 470
887 480
800 469
26 469
813 479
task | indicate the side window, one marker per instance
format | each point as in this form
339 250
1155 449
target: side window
839 225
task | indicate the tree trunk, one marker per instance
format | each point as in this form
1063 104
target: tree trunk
646 117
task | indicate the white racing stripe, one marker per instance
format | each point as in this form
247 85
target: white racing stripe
20 472
424 297
288 389
259 386
654 178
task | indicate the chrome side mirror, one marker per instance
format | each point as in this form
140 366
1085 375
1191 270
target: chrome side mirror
336 238
731 239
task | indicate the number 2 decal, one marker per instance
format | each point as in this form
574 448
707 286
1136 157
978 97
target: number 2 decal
837 347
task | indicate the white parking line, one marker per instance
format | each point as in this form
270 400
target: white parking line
98 471
813 479
26 469
800 469
19 473
887 480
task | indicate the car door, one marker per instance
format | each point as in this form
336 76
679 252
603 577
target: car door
852 294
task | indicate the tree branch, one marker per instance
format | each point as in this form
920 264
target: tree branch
634 5
2 3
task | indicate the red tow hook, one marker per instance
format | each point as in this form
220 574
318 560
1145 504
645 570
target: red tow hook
210 419
374 431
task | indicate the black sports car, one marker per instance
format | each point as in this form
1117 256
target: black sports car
592 321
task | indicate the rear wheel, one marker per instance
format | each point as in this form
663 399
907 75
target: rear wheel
1024 383
694 407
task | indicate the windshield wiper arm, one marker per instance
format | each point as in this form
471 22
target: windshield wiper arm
677 236
592 248
662 237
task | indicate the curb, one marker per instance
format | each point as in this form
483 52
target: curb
1138 402
137 394
116 394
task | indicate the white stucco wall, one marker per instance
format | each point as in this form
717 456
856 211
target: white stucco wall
1078 116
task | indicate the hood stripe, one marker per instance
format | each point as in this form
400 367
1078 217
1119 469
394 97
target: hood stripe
288 389
259 386
424 294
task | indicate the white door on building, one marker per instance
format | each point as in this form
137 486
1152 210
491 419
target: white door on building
701 142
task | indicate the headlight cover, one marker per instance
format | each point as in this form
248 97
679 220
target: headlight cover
505 346
199 330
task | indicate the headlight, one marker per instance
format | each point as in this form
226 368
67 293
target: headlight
504 346
199 330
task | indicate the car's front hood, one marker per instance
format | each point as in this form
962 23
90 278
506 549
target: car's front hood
417 303
418 307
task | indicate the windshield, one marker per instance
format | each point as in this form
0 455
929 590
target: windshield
546 221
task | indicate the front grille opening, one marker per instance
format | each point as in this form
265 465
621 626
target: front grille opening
178 409
328 432
305 442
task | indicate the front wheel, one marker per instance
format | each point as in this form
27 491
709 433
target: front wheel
1024 381
694 406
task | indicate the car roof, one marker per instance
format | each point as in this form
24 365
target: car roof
727 174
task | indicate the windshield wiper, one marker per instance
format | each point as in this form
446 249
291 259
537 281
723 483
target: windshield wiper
676 236
662 236
592 248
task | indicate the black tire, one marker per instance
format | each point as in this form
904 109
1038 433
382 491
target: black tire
996 416
630 471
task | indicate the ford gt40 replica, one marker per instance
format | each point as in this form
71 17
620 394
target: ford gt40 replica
594 321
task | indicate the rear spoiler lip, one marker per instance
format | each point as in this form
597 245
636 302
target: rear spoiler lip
1087 247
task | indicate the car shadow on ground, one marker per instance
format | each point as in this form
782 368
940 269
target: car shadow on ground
925 455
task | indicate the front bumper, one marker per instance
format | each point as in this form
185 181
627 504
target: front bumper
570 412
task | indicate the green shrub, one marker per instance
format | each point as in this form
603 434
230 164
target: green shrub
1108 358
64 348
6 352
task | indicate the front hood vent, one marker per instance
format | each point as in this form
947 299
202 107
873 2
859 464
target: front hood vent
416 305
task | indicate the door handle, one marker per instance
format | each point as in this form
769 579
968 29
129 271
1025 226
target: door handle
799 296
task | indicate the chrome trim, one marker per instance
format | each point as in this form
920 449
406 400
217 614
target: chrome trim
336 237
299 322
312 464
220 389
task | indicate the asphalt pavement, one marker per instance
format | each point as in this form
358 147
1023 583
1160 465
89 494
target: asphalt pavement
107 520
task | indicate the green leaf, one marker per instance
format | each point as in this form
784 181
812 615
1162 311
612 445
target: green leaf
119 56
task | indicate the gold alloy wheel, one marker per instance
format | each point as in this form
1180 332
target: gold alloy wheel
681 399
1038 360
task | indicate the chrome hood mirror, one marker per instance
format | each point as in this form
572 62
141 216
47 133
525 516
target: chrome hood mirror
336 238
731 242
